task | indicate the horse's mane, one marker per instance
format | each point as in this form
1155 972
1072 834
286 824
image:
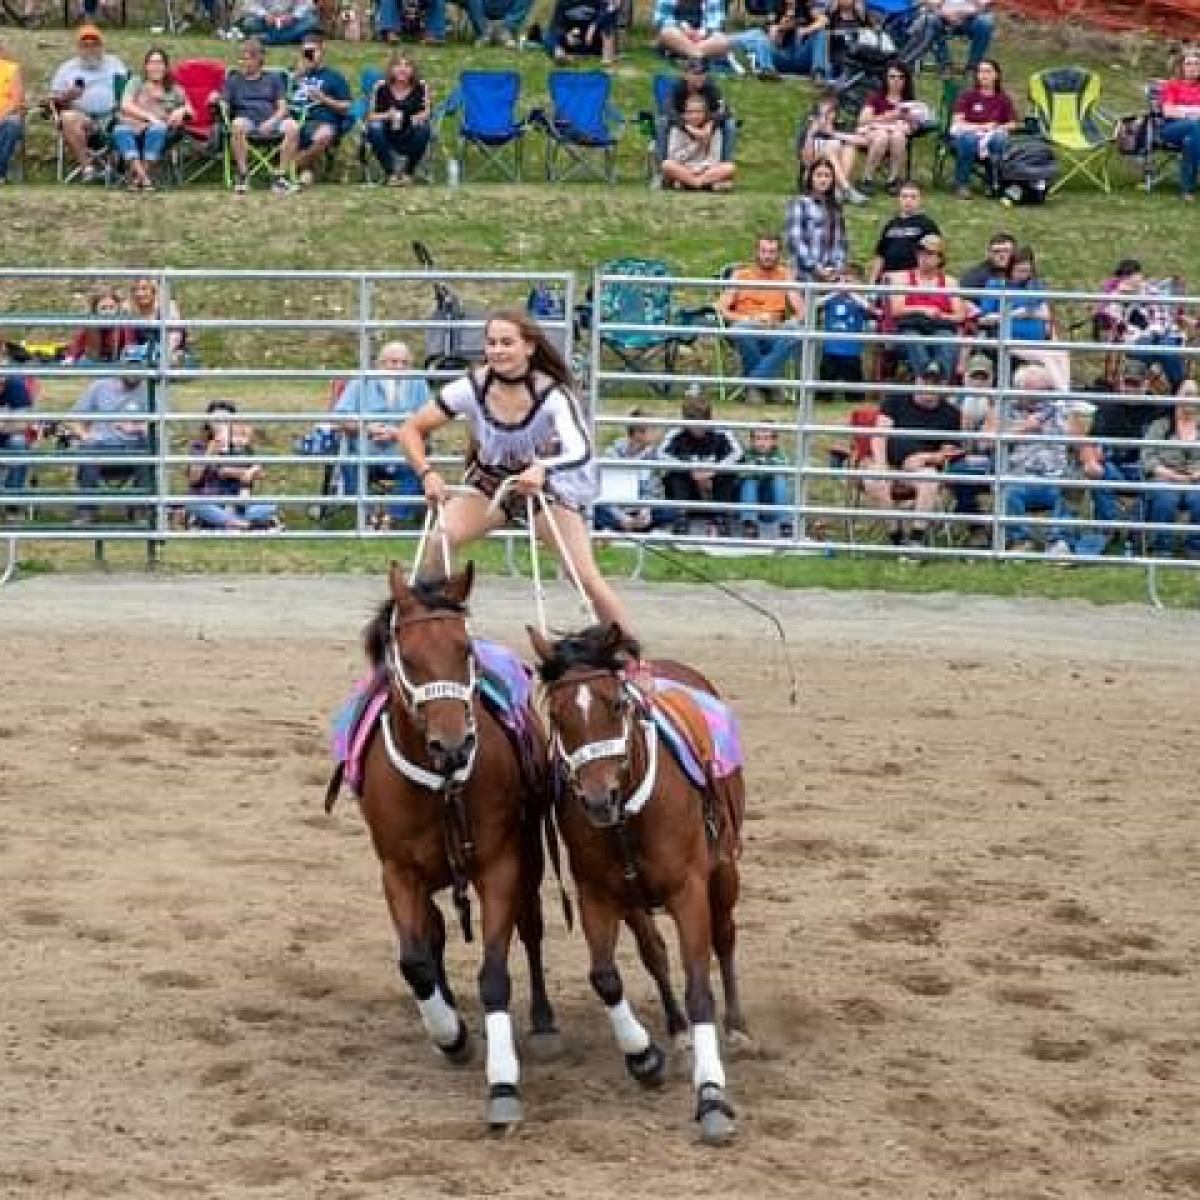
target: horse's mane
428 593
591 647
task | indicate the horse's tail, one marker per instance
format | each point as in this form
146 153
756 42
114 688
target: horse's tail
334 787
552 849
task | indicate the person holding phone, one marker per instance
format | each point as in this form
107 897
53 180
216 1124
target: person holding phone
83 96
321 97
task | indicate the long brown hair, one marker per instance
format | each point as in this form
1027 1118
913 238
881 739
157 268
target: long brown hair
546 357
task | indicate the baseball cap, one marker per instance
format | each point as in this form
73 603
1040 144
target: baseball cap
696 66
1134 370
88 33
931 370
980 364
933 243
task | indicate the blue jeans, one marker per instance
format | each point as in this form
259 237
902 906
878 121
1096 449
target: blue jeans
149 144
607 517
289 35
90 476
395 473
387 18
514 16
977 30
966 153
920 354
1184 135
967 495
764 355
762 489
1021 498
212 515
14 473
556 36
805 56
12 130
390 145
1161 508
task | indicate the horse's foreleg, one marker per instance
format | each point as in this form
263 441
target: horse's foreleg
653 952
499 900
410 907
644 1059
722 898
690 909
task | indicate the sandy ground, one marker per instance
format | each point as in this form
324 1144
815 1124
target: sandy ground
969 929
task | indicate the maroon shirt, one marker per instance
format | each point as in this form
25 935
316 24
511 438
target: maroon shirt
980 108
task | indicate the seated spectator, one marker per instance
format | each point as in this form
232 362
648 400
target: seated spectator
1177 463
153 107
929 309
696 81
979 418
143 331
639 444
1140 313
1044 462
707 454
753 313
323 99
814 227
16 402
1000 249
383 404
823 140
111 419
398 125
846 20
12 109
845 313
425 19
925 453
794 42
888 119
258 109
763 450
95 344
896 249
1126 420
695 161
970 19
689 28
83 94
583 28
219 482
502 32
983 118
278 22
1180 99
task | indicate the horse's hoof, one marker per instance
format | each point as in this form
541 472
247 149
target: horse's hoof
503 1107
460 1051
545 1046
650 1067
715 1114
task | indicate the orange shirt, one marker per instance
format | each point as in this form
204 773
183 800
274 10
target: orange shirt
760 304
10 87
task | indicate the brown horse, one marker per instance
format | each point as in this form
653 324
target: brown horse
449 802
640 834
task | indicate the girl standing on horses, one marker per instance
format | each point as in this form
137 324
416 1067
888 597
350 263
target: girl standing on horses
525 425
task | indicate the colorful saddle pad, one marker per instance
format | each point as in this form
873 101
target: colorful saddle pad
701 731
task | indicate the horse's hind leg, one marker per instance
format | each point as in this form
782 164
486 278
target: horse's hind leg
531 929
723 887
653 952
644 1059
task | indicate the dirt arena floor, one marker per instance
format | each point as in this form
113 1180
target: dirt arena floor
970 929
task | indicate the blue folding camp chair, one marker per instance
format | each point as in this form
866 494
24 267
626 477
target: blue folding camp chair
581 128
485 103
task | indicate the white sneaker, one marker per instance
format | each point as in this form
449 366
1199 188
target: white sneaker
735 64
1058 549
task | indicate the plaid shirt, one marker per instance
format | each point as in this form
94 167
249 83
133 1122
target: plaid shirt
673 12
812 237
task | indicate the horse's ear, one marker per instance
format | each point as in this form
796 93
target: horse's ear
540 643
614 637
398 585
458 587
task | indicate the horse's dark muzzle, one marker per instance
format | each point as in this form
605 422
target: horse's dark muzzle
602 808
447 759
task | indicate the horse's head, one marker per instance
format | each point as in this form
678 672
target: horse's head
591 712
420 637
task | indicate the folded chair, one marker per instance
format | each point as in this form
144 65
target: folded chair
197 152
581 128
1066 106
485 105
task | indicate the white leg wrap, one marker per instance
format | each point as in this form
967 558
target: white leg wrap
440 1020
502 1065
706 1066
628 1030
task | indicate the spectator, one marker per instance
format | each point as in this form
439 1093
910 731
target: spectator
1042 462
983 118
1001 247
846 20
323 98
1176 463
504 32
845 314
16 401
396 17
767 488
258 109
794 42
753 313
1180 101
896 249
279 22
640 444
144 328
930 309
153 107
95 344
580 28
12 109
111 420
823 140
935 423
382 404
695 159
83 92
888 119
707 454
696 81
814 227
398 127
970 19
1141 313
1127 419
218 482
981 420
689 28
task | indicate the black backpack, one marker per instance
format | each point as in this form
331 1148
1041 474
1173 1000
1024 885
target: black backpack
1026 171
